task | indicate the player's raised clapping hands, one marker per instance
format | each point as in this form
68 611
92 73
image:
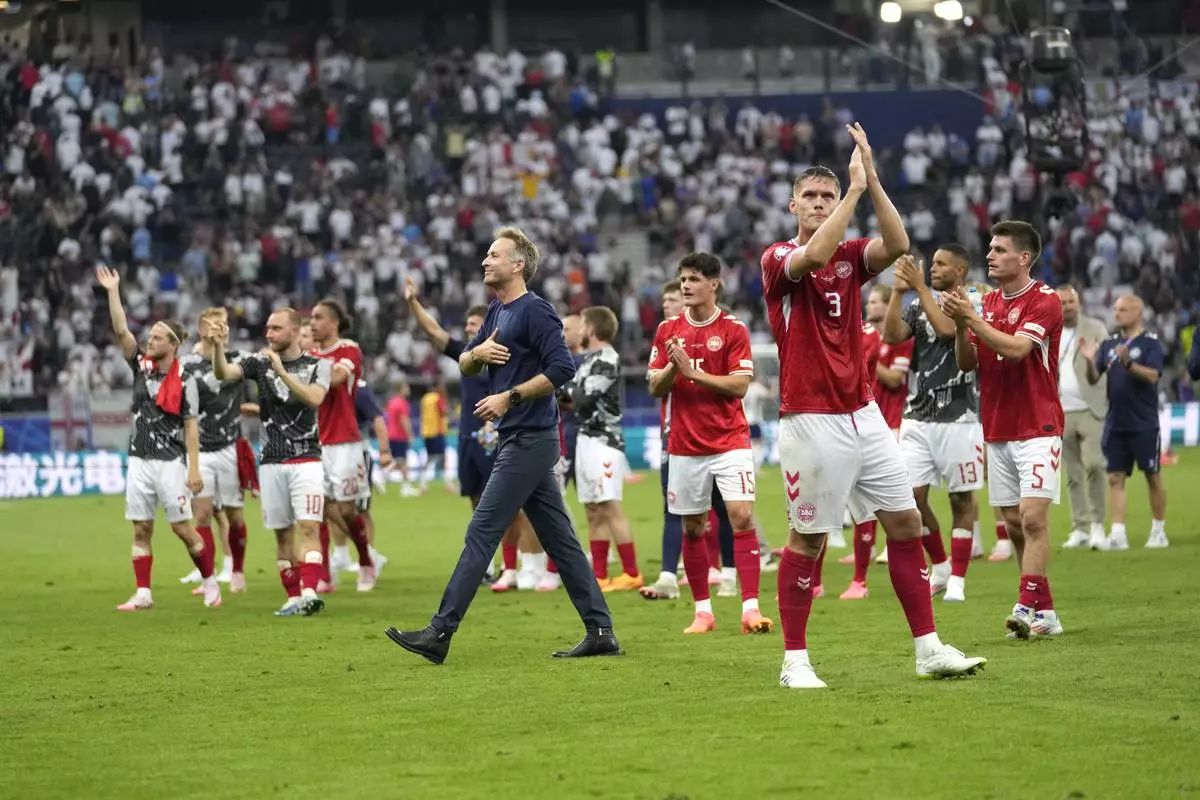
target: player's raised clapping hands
858 171
273 359
410 289
215 332
957 306
862 149
909 274
678 356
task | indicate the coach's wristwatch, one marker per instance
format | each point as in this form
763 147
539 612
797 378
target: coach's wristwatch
514 398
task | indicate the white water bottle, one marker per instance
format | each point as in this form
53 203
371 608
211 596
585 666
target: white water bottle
976 299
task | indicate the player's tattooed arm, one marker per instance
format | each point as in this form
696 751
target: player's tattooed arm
110 279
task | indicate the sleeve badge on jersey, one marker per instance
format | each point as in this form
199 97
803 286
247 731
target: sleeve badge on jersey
781 251
714 343
843 269
1135 353
1013 316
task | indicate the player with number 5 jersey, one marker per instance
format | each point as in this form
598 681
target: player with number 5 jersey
702 364
1013 344
835 448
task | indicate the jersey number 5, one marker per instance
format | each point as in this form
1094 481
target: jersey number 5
835 303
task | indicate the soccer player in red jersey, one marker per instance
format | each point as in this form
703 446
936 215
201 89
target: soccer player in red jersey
701 362
341 441
1013 343
889 385
835 448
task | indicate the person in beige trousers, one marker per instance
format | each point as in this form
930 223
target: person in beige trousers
1085 406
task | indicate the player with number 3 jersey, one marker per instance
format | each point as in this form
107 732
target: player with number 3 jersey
835 448
701 362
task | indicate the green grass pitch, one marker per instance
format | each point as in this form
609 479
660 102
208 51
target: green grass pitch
182 702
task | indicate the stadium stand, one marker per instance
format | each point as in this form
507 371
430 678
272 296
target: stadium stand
258 178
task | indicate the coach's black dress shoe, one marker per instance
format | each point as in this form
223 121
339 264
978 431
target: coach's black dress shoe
596 642
429 642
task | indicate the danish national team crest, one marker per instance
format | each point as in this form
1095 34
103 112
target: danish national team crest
714 343
1013 316
806 513
843 269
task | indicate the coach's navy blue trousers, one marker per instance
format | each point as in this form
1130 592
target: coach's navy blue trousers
523 478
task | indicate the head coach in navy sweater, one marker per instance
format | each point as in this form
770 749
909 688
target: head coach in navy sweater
521 346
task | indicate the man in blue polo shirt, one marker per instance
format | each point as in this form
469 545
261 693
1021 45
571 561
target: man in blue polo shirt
1133 360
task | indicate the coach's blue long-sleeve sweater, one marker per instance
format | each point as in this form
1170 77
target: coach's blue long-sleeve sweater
533 334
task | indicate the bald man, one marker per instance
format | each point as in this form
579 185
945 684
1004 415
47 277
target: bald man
1085 407
1133 360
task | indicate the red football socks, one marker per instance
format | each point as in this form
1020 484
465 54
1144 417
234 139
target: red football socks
310 575
237 546
600 558
695 566
1001 532
325 575
358 535
508 553
204 559
141 571
795 598
910 579
628 559
960 552
747 561
289 576
864 542
712 539
935 548
551 567
1035 593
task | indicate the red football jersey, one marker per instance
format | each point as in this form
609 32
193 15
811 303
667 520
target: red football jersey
891 401
336 418
1019 399
703 422
818 330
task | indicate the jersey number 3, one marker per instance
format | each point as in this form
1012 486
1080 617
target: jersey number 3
835 303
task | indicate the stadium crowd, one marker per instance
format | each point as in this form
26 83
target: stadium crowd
258 181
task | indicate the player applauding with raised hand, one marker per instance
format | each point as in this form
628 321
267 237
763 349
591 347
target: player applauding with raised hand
1013 342
701 362
835 448
165 431
291 386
